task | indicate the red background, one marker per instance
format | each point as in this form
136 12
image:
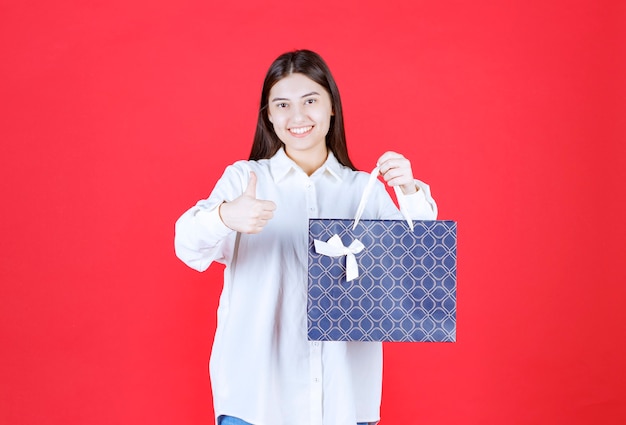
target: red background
117 116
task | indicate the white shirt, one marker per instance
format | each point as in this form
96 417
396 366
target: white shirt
263 369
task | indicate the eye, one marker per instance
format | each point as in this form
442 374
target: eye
310 101
281 105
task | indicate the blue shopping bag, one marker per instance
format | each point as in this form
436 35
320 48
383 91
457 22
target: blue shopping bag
381 280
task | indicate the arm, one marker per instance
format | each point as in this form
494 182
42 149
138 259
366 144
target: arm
207 231
201 236
420 205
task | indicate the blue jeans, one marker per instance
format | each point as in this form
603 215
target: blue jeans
229 420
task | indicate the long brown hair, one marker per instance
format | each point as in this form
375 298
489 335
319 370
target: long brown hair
266 142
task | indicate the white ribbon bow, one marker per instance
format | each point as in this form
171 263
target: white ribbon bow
335 248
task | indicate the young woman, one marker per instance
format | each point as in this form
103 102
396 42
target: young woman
263 369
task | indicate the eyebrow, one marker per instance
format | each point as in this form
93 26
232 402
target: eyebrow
313 93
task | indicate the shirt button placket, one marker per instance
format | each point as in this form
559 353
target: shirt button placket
311 200
315 347
316 382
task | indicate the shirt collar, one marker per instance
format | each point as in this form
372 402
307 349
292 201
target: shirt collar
281 165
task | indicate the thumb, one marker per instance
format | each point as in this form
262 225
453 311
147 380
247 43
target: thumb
251 189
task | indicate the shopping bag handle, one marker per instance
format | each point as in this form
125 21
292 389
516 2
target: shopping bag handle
366 195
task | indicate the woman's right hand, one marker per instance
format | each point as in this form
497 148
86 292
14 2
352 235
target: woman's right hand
247 214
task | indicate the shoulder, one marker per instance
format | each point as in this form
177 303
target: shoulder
347 174
237 175
243 167
245 164
359 179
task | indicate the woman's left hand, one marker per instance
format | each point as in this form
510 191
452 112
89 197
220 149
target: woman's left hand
396 170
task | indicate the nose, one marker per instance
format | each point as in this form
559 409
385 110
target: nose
298 114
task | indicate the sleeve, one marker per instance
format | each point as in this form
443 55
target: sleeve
200 235
419 205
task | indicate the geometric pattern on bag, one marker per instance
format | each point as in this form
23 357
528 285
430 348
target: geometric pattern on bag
405 289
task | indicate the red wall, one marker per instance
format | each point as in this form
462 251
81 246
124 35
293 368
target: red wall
117 116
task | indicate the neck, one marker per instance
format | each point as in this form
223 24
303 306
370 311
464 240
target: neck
308 160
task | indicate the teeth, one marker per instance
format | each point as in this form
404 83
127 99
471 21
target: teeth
300 130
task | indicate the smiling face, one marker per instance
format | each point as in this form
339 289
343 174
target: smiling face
300 111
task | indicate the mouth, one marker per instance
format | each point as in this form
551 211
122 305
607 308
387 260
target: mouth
299 131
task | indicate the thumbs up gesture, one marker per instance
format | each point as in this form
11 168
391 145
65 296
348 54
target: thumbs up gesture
246 214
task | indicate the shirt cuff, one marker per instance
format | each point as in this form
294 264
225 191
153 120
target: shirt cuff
419 205
211 220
